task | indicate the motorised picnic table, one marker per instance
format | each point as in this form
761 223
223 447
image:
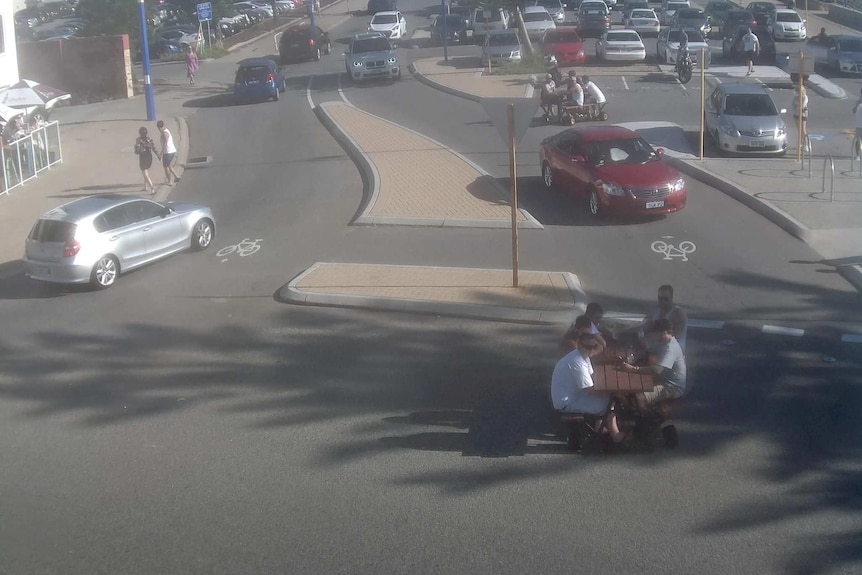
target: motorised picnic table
608 376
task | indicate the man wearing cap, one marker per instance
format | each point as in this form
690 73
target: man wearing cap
572 386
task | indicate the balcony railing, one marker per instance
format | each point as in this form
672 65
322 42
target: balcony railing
30 154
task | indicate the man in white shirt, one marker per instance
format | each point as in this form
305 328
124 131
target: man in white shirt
593 91
550 98
857 109
572 386
751 45
169 151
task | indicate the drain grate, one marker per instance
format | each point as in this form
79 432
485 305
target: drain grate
198 161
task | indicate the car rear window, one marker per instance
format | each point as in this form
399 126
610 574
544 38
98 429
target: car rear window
536 17
643 14
624 36
53 231
562 36
249 73
594 10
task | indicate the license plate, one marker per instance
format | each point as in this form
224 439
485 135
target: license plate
658 204
40 271
757 143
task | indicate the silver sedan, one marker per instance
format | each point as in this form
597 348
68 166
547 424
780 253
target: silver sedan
96 238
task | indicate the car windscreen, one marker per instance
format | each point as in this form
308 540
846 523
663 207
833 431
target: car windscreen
384 19
674 6
371 45
562 36
749 105
850 45
594 10
252 73
53 231
643 14
536 17
622 151
503 40
693 36
788 17
622 36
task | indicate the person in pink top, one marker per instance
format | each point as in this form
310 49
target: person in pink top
191 64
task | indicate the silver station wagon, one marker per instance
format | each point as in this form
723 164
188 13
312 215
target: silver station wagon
94 239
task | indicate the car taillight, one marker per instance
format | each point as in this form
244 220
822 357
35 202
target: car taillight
70 249
271 78
311 41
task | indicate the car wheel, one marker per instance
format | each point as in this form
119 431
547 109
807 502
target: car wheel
547 176
283 86
328 49
105 272
595 208
275 96
202 235
317 54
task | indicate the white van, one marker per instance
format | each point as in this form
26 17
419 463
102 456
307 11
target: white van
487 20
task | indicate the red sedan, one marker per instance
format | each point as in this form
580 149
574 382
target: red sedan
614 168
566 46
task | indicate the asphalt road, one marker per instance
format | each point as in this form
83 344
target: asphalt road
183 421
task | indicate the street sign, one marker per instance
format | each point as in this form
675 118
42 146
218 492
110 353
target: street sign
795 63
205 11
498 111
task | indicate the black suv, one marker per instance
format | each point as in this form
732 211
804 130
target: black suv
375 6
303 42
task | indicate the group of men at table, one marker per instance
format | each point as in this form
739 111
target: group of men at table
662 335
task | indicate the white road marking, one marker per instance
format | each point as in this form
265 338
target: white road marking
717 79
851 338
341 92
681 85
767 87
626 84
671 251
778 330
706 323
308 93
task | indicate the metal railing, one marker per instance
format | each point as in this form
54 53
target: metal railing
856 154
809 151
23 159
831 163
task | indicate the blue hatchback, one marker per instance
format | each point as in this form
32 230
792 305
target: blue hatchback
258 79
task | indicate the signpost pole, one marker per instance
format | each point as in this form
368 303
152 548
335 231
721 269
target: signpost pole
703 96
513 177
445 31
799 107
145 56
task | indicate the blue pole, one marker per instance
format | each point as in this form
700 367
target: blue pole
145 53
311 14
445 30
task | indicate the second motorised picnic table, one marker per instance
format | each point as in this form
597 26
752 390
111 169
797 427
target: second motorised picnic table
607 375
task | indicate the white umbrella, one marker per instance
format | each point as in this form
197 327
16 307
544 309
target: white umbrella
7 112
27 93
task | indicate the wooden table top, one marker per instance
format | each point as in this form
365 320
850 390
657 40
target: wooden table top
608 377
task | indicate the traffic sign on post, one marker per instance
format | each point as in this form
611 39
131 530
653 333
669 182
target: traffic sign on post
205 11
498 111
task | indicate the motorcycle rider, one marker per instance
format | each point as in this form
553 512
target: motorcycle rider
682 53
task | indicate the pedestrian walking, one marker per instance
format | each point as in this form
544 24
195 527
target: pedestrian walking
857 142
191 64
751 45
169 151
804 113
145 149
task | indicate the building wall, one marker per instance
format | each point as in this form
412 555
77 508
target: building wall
8 49
91 69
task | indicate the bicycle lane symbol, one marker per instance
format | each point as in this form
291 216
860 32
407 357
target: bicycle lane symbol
244 248
671 251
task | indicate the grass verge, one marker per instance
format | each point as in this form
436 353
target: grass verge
532 64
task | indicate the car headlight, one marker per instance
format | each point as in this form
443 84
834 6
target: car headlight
781 131
370 29
357 64
580 53
612 189
729 130
677 185
392 60
516 54
843 63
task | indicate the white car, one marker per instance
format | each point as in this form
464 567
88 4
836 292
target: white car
643 21
669 9
620 46
254 6
786 24
391 24
537 21
667 45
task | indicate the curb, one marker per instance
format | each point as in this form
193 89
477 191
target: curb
851 273
371 179
840 94
442 87
292 294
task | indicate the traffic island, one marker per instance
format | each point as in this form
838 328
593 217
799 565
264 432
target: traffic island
540 298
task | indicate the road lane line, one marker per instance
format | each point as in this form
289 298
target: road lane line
308 93
778 330
341 93
706 323
681 85
851 338
626 84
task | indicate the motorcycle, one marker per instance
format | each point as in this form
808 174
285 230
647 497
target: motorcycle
684 68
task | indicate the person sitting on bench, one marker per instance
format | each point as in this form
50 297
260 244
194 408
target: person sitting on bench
596 96
572 387
550 98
